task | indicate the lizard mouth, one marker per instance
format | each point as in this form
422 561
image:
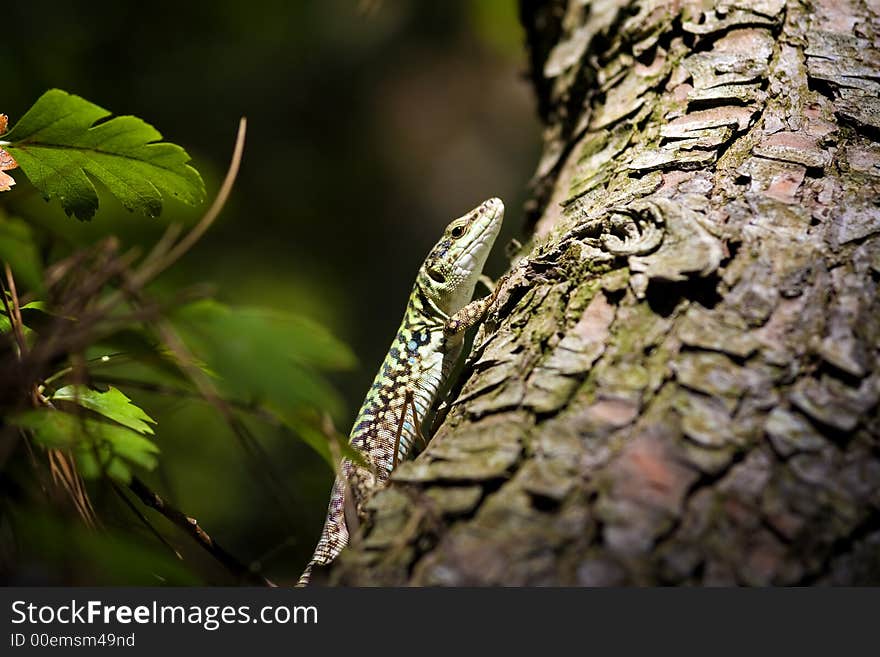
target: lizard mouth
492 213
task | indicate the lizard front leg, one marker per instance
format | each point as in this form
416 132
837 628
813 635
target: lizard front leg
472 313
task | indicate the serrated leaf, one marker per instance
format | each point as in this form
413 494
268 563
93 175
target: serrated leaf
112 404
56 143
99 447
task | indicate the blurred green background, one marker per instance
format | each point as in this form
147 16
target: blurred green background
370 126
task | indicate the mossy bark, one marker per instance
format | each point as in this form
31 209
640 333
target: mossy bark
680 384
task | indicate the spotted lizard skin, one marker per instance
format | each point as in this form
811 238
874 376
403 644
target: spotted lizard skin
423 352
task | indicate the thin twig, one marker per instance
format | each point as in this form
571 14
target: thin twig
16 307
252 447
164 253
156 262
191 526
61 464
14 313
65 474
144 521
207 389
164 244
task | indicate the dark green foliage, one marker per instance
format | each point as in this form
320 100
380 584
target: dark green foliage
267 358
75 334
101 448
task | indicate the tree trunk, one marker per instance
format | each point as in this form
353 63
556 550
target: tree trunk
680 384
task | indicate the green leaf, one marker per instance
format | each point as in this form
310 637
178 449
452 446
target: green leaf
35 319
18 250
261 354
112 404
56 143
269 358
38 319
99 447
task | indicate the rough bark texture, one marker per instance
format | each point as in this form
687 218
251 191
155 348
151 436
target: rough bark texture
681 384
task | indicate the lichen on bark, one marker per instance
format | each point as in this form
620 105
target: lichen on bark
680 382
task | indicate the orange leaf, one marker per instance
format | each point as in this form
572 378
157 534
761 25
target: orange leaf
7 162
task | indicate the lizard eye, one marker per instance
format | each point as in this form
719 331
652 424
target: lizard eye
458 231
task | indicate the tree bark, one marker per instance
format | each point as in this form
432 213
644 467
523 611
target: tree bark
680 383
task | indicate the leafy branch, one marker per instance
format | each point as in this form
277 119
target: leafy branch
66 346
58 143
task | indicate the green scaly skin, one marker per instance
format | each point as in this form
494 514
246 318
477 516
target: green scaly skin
426 347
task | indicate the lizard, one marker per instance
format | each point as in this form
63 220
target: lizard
422 354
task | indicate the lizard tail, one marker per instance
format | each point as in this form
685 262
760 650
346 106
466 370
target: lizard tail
334 536
306 576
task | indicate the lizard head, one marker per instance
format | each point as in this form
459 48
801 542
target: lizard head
450 272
